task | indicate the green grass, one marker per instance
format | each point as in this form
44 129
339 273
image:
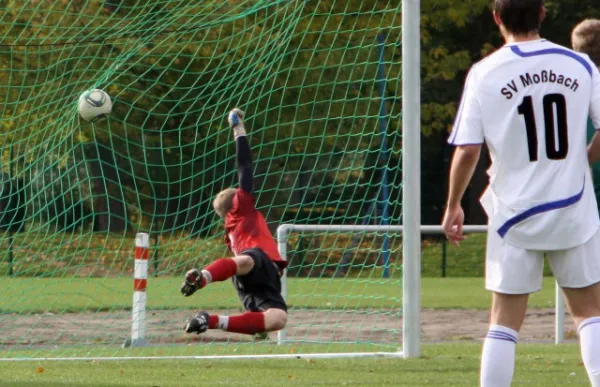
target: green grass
50 254
60 295
194 349
454 364
467 260
99 255
82 254
40 254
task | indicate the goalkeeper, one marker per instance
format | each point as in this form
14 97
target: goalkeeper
256 267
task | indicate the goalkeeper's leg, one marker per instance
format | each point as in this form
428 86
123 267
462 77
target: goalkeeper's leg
249 323
259 291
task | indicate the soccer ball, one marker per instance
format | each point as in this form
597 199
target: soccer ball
94 105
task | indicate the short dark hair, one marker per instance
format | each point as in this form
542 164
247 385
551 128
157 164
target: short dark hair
586 38
520 17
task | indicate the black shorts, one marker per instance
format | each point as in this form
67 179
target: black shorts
260 289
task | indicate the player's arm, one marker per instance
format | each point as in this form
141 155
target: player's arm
467 136
462 168
242 150
244 163
593 150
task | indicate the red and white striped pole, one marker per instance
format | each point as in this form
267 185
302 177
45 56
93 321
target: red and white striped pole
138 326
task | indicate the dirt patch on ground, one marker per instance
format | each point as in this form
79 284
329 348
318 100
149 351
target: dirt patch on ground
166 327
449 325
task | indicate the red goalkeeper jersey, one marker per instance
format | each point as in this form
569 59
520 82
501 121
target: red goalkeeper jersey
246 228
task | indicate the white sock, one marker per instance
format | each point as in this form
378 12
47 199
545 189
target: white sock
498 357
207 276
589 340
223 322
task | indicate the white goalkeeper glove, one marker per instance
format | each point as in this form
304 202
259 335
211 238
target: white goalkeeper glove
236 122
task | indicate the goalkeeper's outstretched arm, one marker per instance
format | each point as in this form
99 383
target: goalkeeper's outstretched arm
244 163
242 150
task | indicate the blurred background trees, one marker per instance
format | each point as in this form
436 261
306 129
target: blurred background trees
305 71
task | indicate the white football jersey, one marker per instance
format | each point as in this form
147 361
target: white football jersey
530 102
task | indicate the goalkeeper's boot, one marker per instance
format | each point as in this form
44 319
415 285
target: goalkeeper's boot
198 324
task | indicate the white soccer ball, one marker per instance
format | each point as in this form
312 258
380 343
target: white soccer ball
94 105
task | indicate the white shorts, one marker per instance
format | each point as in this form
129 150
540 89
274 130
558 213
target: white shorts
514 270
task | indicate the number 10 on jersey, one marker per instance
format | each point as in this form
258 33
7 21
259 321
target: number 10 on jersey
555 124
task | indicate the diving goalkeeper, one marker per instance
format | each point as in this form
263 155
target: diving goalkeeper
256 266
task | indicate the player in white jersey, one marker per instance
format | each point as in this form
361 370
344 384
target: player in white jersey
529 102
586 38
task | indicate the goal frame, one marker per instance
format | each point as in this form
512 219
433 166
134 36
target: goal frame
411 329
411 180
411 326
411 289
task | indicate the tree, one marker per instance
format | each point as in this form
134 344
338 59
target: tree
455 35
306 71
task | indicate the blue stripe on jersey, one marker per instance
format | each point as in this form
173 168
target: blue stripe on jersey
550 206
559 51
467 143
460 109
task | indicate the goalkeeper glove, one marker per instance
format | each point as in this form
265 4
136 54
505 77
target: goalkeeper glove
236 122
194 280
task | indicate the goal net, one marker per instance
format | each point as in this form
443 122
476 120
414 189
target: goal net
321 84
355 292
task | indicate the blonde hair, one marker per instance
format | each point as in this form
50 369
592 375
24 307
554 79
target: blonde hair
224 202
586 38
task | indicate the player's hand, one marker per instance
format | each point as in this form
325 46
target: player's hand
236 122
188 289
454 218
193 282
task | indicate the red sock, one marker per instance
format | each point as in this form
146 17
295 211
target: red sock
222 269
213 321
248 323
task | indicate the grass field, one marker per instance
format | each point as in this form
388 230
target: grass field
38 254
44 290
58 295
452 364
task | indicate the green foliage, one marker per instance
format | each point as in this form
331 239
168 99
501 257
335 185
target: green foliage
455 34
305 71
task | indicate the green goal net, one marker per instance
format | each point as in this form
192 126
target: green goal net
320 82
